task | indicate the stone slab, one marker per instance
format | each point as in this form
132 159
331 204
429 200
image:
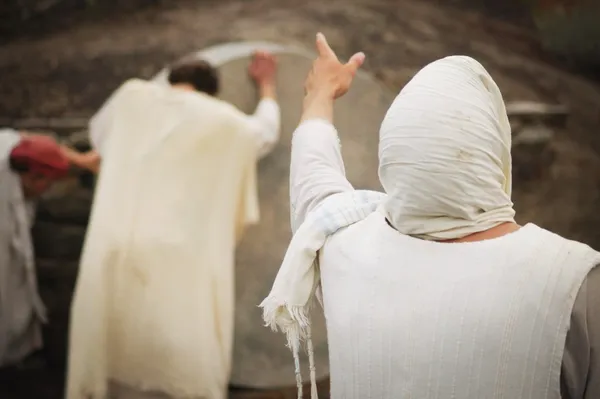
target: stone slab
261 359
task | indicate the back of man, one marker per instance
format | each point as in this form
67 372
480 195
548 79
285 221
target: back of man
415 318
177 185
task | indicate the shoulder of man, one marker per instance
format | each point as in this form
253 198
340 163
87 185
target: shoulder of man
135 85
221 109
572 244
136 82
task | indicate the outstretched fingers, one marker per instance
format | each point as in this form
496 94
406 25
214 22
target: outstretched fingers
323 47
355 62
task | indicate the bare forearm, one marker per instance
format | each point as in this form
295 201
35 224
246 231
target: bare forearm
92 161
268 90
73 156
89 160
318 105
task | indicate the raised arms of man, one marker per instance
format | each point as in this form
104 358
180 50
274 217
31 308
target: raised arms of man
265 123
317 169
89 160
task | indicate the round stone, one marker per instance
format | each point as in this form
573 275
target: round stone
261 358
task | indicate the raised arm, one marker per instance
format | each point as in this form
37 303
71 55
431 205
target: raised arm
317 168
89 160
265 123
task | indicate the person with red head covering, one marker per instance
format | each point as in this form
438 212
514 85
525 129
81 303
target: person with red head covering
29 164
39 161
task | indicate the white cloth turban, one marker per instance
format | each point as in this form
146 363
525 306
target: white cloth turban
444 153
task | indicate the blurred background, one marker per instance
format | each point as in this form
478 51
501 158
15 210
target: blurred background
60 59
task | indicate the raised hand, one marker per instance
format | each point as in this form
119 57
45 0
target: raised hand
328 75
263 68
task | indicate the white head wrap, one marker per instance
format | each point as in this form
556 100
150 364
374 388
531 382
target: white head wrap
445 164
444 153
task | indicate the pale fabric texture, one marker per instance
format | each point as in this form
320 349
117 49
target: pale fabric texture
321 176
444 153
445 165
264 125
410 318
447 175
21 309
121 391
154 302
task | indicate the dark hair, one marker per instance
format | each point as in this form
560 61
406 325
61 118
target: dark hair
18 166
200 74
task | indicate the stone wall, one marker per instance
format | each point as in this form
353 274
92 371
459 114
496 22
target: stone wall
18 15
572 33
14 11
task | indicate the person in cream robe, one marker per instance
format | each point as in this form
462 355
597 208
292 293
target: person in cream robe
153 309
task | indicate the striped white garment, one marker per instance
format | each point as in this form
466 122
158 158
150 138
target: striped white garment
288 305
444 164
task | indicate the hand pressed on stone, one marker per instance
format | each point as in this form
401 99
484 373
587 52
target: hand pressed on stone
263 68
328 75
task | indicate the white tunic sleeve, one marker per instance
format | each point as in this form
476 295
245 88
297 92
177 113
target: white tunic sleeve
265 125
317 169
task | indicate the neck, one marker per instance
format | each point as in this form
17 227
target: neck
183 86
494 232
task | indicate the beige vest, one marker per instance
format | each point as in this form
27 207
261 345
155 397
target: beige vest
409 318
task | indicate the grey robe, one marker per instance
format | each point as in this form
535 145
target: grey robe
21 309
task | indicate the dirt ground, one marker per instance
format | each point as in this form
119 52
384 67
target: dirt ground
67 66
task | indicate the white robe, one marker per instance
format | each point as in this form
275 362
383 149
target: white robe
154 303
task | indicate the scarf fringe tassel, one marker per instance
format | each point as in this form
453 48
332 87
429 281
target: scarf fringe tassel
294 322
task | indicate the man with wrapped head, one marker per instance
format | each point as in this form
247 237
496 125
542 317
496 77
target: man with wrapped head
430 288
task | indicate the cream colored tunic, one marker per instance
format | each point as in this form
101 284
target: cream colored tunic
154 303
317 172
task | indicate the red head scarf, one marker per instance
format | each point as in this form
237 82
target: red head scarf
41 155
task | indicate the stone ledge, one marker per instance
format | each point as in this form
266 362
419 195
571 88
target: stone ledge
529 112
